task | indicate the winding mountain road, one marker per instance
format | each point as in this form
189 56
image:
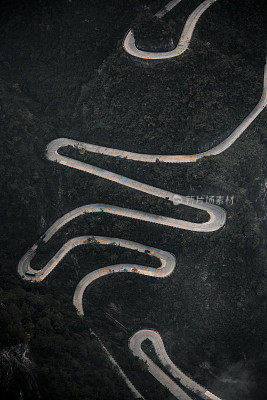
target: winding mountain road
216 216
154 337
184 41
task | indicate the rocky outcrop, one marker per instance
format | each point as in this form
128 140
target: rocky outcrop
17 378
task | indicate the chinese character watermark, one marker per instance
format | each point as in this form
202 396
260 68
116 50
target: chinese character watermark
191 200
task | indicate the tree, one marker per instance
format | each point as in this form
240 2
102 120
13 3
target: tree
153 34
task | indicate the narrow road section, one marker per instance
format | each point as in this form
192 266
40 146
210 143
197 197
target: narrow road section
135 344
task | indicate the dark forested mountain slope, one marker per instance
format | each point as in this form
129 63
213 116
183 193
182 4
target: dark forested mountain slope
64 73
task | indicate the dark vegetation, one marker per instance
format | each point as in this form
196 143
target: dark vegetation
154 34
17 375
64 73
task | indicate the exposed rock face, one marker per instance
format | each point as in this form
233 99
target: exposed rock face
17 379
154 34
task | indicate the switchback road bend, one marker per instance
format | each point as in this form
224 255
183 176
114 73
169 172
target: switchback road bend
216 214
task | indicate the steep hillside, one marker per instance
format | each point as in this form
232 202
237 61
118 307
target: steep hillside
64 73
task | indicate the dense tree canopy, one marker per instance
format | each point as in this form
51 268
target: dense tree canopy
63 73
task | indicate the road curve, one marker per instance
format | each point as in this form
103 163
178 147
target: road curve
216 216
135 344
184 41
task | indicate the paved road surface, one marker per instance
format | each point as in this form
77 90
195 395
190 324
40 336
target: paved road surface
183 44
135 344
216 217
